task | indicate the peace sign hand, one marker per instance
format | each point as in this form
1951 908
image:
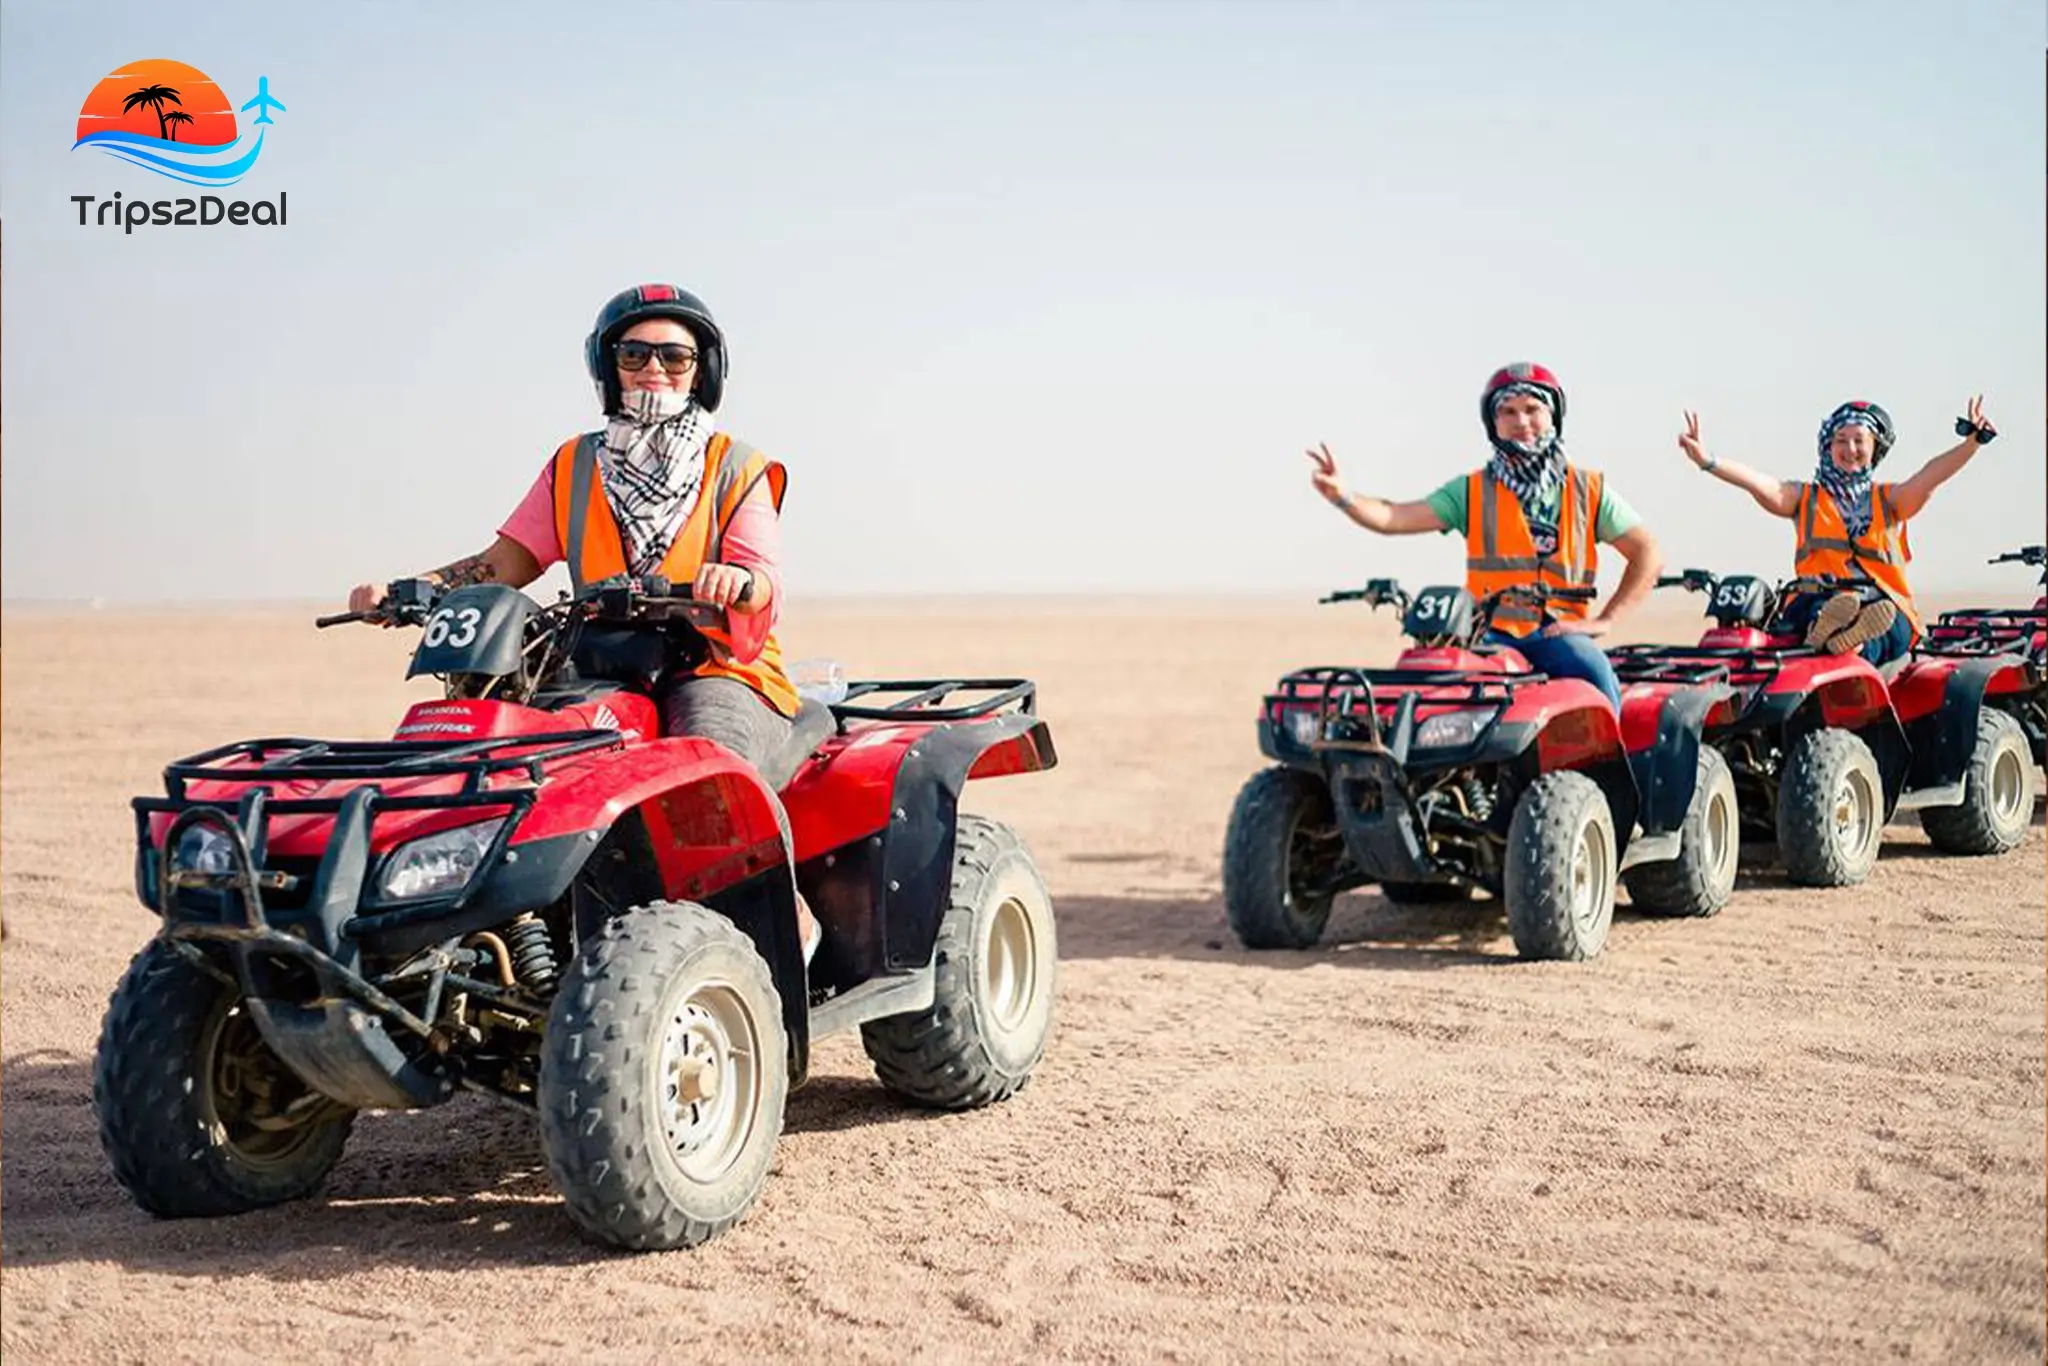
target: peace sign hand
1690 441
1984 430
1324 476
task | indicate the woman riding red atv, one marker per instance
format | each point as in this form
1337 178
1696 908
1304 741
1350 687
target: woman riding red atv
1849 526
660 491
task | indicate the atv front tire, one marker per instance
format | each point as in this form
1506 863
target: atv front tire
662 1078
1830 810
197 1115
995 972
1702 878
1998 793
1282 830
1559 877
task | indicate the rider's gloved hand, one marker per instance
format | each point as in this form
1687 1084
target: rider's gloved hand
364 597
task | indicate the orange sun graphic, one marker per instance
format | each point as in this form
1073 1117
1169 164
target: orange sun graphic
160 99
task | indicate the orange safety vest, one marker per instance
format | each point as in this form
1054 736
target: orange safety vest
589 536
1882 551
1500 551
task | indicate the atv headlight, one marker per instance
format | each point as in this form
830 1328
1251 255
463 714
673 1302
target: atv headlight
1448 729
205 849
1304 726
436 865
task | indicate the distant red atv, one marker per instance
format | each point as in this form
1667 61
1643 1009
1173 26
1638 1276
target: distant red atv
1827 749
2021 631
1459 768
529 893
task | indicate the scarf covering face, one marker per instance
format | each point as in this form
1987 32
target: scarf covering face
1533 473
1850 489
652 460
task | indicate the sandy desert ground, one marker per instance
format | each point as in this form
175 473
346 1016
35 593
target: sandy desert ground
1811 1128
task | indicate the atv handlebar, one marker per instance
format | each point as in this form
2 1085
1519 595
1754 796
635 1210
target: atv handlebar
647 597
406 602
1691 580
1389 593
1376 593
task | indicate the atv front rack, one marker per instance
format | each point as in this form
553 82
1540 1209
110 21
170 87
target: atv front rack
366 761
292 759
921 699
1343 693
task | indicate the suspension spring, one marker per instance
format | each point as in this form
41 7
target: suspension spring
533 954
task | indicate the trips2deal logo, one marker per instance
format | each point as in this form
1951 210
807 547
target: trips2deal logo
174 121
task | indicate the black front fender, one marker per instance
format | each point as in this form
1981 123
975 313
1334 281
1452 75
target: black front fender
1667 772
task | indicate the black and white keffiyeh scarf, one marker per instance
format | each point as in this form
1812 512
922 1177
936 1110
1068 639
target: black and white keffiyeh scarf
1532 473
652 459
1851 489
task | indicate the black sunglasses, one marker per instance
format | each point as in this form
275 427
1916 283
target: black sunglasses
674 356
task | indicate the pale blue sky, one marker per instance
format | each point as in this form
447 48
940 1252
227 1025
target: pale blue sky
1040 296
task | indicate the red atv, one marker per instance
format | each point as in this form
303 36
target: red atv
2019 631
1459 768
1826 749
527 892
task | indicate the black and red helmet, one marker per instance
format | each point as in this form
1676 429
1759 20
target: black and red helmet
1534 376
638 304
1862 413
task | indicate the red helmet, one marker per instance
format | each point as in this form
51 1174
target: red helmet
639 303
1536 377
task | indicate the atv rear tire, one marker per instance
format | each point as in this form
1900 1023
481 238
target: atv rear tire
1998 793
995 972
1830 810
662 1078
1559 877
1702 878
1425 893
1281 822
194 1108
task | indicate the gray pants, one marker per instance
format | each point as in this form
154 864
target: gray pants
733 714
728 711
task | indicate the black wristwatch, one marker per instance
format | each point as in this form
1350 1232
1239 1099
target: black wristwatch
1983 431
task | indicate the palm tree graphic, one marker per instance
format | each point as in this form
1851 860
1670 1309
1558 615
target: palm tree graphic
172 120
153 98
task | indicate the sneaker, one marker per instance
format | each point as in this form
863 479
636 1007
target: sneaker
1834 615
1872 621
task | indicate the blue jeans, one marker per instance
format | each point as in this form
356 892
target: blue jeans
1572 656
1895 643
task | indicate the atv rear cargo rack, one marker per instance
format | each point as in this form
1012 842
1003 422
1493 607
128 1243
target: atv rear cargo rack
1685 670
1984 630
923 695
1742 664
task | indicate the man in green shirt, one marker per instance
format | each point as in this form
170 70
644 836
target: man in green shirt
1535 512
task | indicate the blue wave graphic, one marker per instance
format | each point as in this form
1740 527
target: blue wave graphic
136 149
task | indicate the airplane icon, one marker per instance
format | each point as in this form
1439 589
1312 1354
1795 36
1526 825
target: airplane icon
263 104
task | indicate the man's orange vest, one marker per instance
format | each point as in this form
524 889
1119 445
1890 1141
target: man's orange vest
1882 552
590 541
1501 553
